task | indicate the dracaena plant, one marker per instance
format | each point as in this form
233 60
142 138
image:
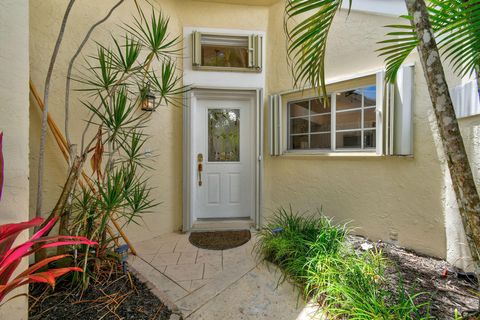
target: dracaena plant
113 84
10 258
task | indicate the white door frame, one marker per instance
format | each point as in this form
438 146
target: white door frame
191 98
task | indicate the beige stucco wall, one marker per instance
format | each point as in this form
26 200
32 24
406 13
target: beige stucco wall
408 196
14 124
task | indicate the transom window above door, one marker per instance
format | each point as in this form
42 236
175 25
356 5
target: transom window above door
226 52
345 121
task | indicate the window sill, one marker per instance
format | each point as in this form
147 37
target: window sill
227 69
290 154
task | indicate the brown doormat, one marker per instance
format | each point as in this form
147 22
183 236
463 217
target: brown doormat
219 240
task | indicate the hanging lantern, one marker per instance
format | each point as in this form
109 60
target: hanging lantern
148 101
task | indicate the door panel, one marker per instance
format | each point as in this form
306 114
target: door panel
224 138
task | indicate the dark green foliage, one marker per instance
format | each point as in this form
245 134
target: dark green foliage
456 24
313 252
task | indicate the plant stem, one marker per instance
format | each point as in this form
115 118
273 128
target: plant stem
70 67
43 135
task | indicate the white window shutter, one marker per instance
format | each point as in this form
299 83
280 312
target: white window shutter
251 51
274 124
380 110
255 51
403 112
258 52
466 99
196 49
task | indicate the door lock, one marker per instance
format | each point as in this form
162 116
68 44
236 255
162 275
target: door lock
200 168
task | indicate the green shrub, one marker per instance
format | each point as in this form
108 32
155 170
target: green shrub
301 236
314 253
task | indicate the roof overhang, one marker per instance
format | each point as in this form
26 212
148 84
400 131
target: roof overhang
244 2
382 7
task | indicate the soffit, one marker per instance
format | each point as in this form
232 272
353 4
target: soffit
243 2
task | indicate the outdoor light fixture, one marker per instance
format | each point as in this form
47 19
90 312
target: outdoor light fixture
148 101
122 253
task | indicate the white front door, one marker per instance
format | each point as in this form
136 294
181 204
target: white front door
223 151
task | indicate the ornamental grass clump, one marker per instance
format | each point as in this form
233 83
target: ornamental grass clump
313 253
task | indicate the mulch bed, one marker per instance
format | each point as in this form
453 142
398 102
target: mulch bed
219 240
426 274
115 297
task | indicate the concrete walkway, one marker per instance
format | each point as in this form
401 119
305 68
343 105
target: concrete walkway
211 285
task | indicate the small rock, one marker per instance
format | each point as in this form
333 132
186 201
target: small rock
366 246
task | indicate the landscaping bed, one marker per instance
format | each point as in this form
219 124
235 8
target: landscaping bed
116 296
350 277
445 290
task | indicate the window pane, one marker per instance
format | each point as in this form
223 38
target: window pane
320 141
320 123
299 109
299 142
349 100
370 94
347 140
349 120
299 125
223 135
370 118
370 139
224 56
318 106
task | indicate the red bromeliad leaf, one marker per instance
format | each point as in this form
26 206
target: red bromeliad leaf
45 229
10 258
11 228
2 164
41 264
50 275
14 256
9 232
45 277
17 253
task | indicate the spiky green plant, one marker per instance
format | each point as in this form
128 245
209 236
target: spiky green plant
313 253
113 84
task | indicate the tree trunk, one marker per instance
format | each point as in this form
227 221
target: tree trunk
457 160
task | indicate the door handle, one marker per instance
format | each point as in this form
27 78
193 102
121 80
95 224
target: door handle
200 168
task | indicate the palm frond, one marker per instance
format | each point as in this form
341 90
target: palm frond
307 40
456 25
398 47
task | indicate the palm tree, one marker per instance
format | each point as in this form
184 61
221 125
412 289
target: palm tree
455 24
